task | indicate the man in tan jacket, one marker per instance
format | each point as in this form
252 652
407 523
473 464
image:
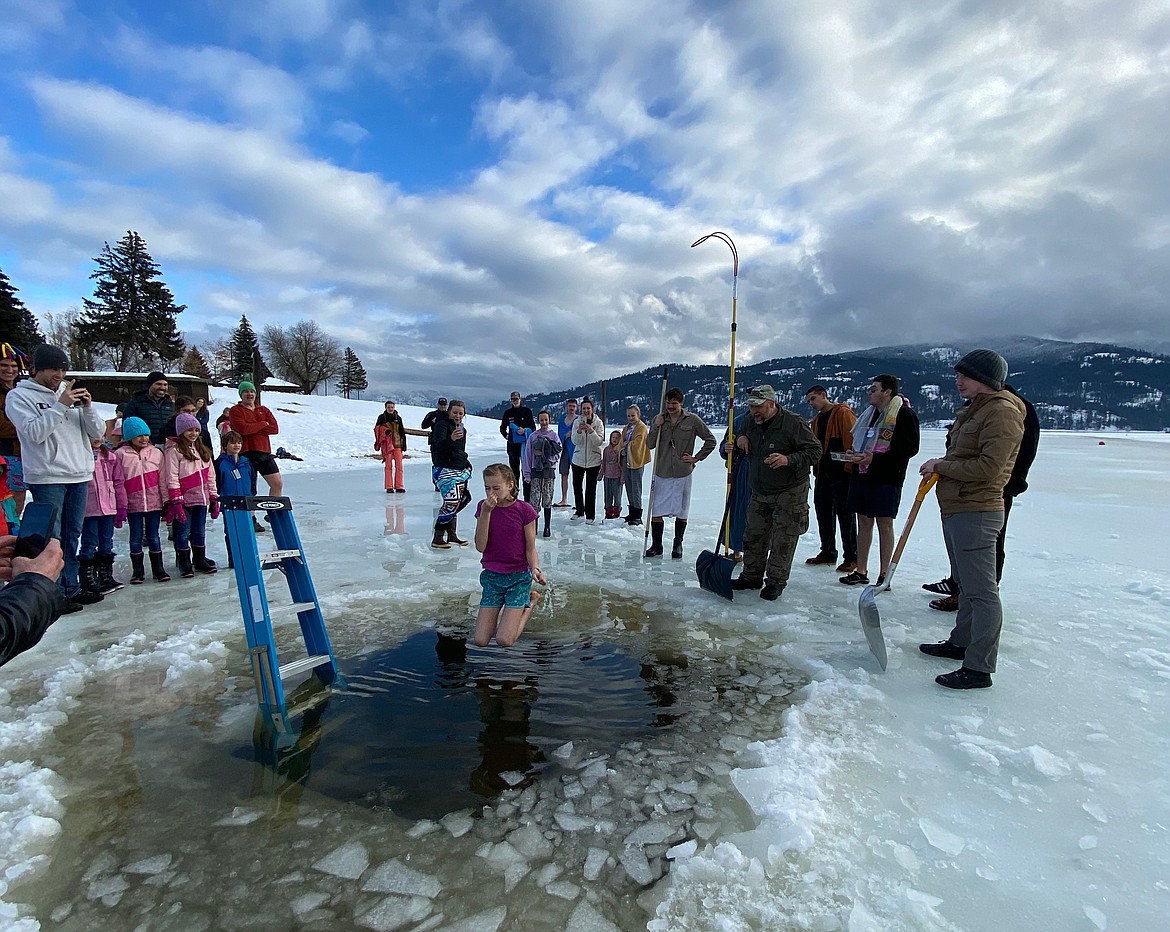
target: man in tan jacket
982 447
674 436
634 456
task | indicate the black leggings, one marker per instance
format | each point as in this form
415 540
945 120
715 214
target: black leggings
588 474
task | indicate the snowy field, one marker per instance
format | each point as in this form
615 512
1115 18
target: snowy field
802 789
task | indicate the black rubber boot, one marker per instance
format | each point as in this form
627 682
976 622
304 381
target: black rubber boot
680 528
547 519
183 562
655 539
635 519
201 562
439 541
138 561
452 536
104 564
157 569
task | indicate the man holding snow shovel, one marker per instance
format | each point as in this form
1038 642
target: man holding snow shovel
781 450
982 446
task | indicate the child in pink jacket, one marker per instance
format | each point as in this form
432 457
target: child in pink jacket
105 509
142 468
189 485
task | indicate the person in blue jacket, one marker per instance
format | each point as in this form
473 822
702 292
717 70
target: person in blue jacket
233 475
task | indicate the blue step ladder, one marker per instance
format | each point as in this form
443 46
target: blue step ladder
287 556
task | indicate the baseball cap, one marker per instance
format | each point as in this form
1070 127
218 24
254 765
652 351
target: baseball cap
760 394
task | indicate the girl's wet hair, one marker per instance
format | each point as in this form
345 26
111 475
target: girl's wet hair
504 471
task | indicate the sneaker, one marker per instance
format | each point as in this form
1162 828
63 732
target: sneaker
400 491
577 518
881 580
590 520
964 678
847 567
942 587
854 579
949 604
771 592
81 597
822 559
389 491
943 649
746 582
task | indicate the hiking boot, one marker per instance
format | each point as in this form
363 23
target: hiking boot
746 582
949 604
771 592
942 587
257 527
822 559
848 566
964 678
943 649
854 579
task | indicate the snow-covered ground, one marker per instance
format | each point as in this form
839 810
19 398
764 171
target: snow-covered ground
873 800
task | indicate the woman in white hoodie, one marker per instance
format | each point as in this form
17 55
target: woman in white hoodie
588 435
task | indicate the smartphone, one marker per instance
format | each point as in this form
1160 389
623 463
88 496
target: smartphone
36 527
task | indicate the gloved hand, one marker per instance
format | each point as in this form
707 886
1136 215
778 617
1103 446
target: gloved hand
119 517
214 512
177 511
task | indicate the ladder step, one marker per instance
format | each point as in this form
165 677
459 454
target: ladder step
305 663
295 609
269 556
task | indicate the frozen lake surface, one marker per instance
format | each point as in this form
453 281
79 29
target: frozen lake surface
647 755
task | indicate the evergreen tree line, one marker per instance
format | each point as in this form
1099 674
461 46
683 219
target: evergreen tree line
130 325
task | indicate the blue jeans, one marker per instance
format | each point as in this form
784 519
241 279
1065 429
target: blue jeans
70 499
97 536
193 531
144 524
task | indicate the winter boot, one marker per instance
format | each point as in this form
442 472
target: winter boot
157 569
183 562
547 519
680 528
138 561
635 518
90 591
104 563
202 563
439 541
655 539
452 537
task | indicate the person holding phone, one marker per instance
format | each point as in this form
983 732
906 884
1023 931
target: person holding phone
452 472
55 421
30 601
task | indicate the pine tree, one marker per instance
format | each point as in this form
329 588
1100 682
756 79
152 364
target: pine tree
133 312
247 364
353 375
17 324
194 364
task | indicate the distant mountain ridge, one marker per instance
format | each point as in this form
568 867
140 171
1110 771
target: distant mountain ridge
1074 386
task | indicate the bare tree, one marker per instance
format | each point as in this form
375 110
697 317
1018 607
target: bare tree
61 330
219 358
304 354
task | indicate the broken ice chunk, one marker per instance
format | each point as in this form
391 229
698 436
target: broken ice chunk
348 862
396 877
946 842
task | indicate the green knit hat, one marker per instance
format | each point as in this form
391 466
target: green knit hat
246 387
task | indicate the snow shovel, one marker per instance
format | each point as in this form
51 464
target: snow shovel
871 622
714 571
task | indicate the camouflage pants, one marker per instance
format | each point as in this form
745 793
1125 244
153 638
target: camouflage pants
774 524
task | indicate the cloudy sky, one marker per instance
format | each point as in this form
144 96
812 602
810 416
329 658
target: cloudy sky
477 196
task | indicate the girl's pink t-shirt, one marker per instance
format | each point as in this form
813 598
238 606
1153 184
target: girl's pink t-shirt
505 551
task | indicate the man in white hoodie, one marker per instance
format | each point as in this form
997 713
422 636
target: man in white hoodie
55 424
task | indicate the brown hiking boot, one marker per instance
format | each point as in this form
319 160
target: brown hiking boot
949 604
822 559
847 567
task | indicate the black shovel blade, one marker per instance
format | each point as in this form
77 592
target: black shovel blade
714 573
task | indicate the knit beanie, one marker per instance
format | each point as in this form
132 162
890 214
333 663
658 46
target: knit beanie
134 427
155 377
246 387
183 423
986 366
49 357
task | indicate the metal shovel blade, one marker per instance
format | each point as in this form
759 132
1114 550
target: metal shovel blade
714 572
871 624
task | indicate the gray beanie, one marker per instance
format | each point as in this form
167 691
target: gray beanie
986 366
49 357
